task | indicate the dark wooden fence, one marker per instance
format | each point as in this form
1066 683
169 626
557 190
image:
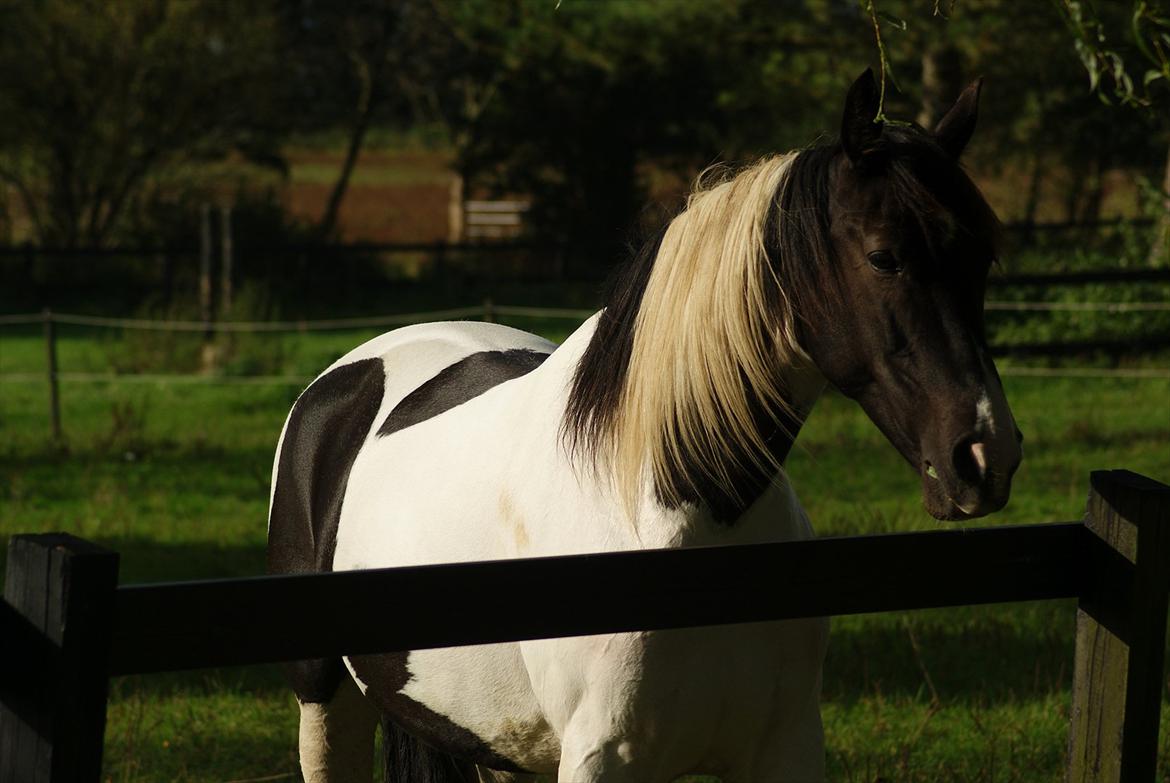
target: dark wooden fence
66 627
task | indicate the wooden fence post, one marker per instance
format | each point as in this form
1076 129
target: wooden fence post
489 310
55 621
1121 632
207 352
225 260
51 368
205 312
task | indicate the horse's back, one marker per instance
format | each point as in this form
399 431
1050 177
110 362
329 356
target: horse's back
346 406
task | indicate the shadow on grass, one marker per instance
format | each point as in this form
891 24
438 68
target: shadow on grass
968 654
145 560
265 678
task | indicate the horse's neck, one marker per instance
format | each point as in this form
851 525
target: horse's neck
803 385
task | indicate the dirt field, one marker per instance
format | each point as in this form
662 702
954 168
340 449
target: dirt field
392 196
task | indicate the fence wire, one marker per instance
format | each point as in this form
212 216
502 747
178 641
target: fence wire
486 310
167 379
330 324
256 326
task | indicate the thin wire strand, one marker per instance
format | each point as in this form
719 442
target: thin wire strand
164 379
76 319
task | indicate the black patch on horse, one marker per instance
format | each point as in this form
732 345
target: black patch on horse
456 384
385 676
325 430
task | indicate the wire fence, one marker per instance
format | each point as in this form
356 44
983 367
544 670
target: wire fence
169 379
487 311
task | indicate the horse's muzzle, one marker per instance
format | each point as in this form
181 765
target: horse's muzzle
973 479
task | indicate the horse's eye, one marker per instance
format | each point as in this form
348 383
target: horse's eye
884 261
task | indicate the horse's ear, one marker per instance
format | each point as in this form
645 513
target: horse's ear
955 128
860 129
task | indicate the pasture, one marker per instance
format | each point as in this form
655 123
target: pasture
175 476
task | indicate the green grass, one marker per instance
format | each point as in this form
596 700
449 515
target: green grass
176 478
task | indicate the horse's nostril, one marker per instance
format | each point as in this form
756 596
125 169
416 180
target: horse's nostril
970 460
1019 437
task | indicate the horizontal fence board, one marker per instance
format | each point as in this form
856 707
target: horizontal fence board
169 627
497 206
1081 278
1129 347
493 219
512 246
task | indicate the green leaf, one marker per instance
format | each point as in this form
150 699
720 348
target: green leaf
893 20
1151 77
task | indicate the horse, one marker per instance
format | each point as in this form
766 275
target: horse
663 421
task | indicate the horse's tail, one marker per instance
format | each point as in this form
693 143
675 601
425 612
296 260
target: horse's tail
409 760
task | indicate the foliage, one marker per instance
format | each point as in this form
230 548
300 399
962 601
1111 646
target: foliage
1096 45
99 98
235 354
574 105
116 110
346 55
570 104
1045 120
1148 43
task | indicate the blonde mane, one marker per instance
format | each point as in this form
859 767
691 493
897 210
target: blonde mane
712 329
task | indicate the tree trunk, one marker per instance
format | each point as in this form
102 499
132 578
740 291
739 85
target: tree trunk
1091 211
356 136
455 200
1032 202
942 81
1160 249
1078 173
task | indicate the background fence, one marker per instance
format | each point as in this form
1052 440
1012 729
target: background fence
67 628
490 311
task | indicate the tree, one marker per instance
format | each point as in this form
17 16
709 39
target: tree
99 97
344 61
1115 47
573 104
1046 113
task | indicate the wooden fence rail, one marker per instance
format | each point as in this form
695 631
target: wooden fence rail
67 628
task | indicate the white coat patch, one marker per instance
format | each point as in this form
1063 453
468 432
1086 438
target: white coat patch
984 421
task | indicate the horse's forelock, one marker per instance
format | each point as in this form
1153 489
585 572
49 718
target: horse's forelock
931 188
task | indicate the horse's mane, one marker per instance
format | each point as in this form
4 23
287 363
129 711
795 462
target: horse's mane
680 380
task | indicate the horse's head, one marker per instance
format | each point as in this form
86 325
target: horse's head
900 328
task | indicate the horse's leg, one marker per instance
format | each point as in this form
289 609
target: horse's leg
595 749
337 737
794 750
797 756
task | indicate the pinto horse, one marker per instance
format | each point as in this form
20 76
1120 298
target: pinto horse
663 421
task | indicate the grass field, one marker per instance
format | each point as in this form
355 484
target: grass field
176 478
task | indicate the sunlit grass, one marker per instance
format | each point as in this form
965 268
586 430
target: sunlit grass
176 478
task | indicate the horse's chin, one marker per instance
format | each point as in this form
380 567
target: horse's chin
938 503
949 512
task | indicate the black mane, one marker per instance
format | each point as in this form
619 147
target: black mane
601 373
